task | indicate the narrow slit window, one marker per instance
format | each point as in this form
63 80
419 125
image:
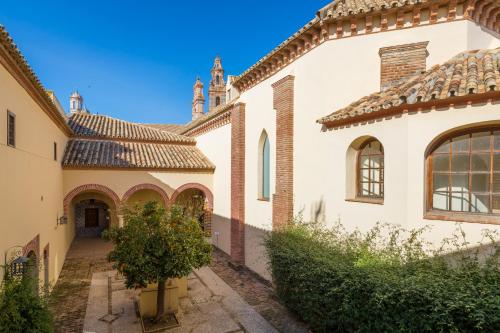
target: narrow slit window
11 129
264 167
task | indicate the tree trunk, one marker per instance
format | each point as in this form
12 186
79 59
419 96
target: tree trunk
160 300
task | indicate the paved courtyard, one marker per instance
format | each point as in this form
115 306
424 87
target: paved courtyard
220 299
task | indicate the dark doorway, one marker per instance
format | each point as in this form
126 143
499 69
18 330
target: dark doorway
91 217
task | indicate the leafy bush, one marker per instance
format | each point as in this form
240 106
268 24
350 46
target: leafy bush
384 281
156 244
21 309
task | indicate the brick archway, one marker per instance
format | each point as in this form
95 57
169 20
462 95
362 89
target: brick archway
208 210
208 194
90 187
146 186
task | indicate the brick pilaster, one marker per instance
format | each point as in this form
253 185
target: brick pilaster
238 183
283 197
401 62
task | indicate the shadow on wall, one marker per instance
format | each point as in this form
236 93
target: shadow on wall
255 251
318 211
221 233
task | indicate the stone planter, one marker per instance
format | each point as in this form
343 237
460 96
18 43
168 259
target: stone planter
174 289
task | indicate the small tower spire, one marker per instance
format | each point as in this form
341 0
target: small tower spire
198 99
217 89
75 102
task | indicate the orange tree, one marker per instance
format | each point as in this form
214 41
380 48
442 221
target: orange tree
156 244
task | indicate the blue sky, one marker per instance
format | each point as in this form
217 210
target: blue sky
137 60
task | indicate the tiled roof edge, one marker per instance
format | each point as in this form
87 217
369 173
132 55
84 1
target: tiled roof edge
209 116
11 55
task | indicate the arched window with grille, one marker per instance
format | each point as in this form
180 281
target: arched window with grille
463 174
370 173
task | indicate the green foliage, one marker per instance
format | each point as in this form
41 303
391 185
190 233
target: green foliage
156 244
21 310
384 281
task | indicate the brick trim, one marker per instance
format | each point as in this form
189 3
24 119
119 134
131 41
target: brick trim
33 245
146 186
283 103
208 194
90 187
238 183
210 125
401 62
209 206
331 28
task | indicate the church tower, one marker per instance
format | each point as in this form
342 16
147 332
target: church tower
75 102
198 99
217 89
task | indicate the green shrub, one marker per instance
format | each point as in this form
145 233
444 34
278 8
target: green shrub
383 281
21 310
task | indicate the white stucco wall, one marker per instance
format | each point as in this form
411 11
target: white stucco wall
330 77
216 145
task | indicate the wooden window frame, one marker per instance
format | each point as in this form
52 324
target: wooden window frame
374 199
9 143
432 213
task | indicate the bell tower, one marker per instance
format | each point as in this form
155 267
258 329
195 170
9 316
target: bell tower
217 89
75 102
198 99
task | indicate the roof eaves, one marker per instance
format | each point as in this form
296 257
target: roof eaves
13 60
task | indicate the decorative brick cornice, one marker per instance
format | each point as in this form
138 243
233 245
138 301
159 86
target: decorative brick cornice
326 28
210 125
90 187
146 186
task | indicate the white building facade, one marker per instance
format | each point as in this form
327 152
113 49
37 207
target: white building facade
348 51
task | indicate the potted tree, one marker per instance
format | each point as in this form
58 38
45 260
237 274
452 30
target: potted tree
155 245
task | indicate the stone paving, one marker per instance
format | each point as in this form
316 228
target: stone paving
257 292
228 300
68 300
211 307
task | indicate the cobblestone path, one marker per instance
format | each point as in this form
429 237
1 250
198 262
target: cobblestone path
68 300
258 293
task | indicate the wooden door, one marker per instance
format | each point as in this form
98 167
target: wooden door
91 217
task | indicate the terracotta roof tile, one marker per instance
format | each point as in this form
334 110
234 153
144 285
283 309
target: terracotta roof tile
472 72
344 8
172 128
104 127
119 154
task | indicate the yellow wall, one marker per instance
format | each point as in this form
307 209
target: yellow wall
120 181
143 196
31 182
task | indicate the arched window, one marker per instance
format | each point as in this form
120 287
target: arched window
264 167
464 173
370 173
217 101
217 80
